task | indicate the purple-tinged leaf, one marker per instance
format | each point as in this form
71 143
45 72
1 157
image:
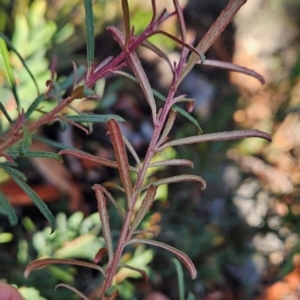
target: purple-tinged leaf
121 157
157 51
182 43
8 156
172 162
104 218
180 19
234 68
173 179
103 64
41 263
71 288
179 254
142 272
138 71
144 208
213 33
75 82
99 255
219 136
126 16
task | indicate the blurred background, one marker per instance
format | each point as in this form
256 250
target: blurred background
242 232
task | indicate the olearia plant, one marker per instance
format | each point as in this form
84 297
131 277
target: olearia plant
22 129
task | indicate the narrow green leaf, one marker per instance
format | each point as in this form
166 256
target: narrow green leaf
144 208
126 17
219 136
7 209
27 140
173 179
179 254
10 45
104 218
90 34
7 116
41 263
13 170
121 157
34 105
9 70
179 272
41 154
163 98
33 196
55 144
142 272
95 118
71 288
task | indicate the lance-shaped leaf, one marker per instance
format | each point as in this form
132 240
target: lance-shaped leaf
8 70
179 272
104 218
142 272
41 154
7 116
7 209
213 33
111 293
179 254
169 125
163 98
10 45
172 162
234 68
98 257
71 288
173 179
121 157
90 34
95 118
19 180
41 263
34 105
219 136
190 103
15 172
144 208
138 71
